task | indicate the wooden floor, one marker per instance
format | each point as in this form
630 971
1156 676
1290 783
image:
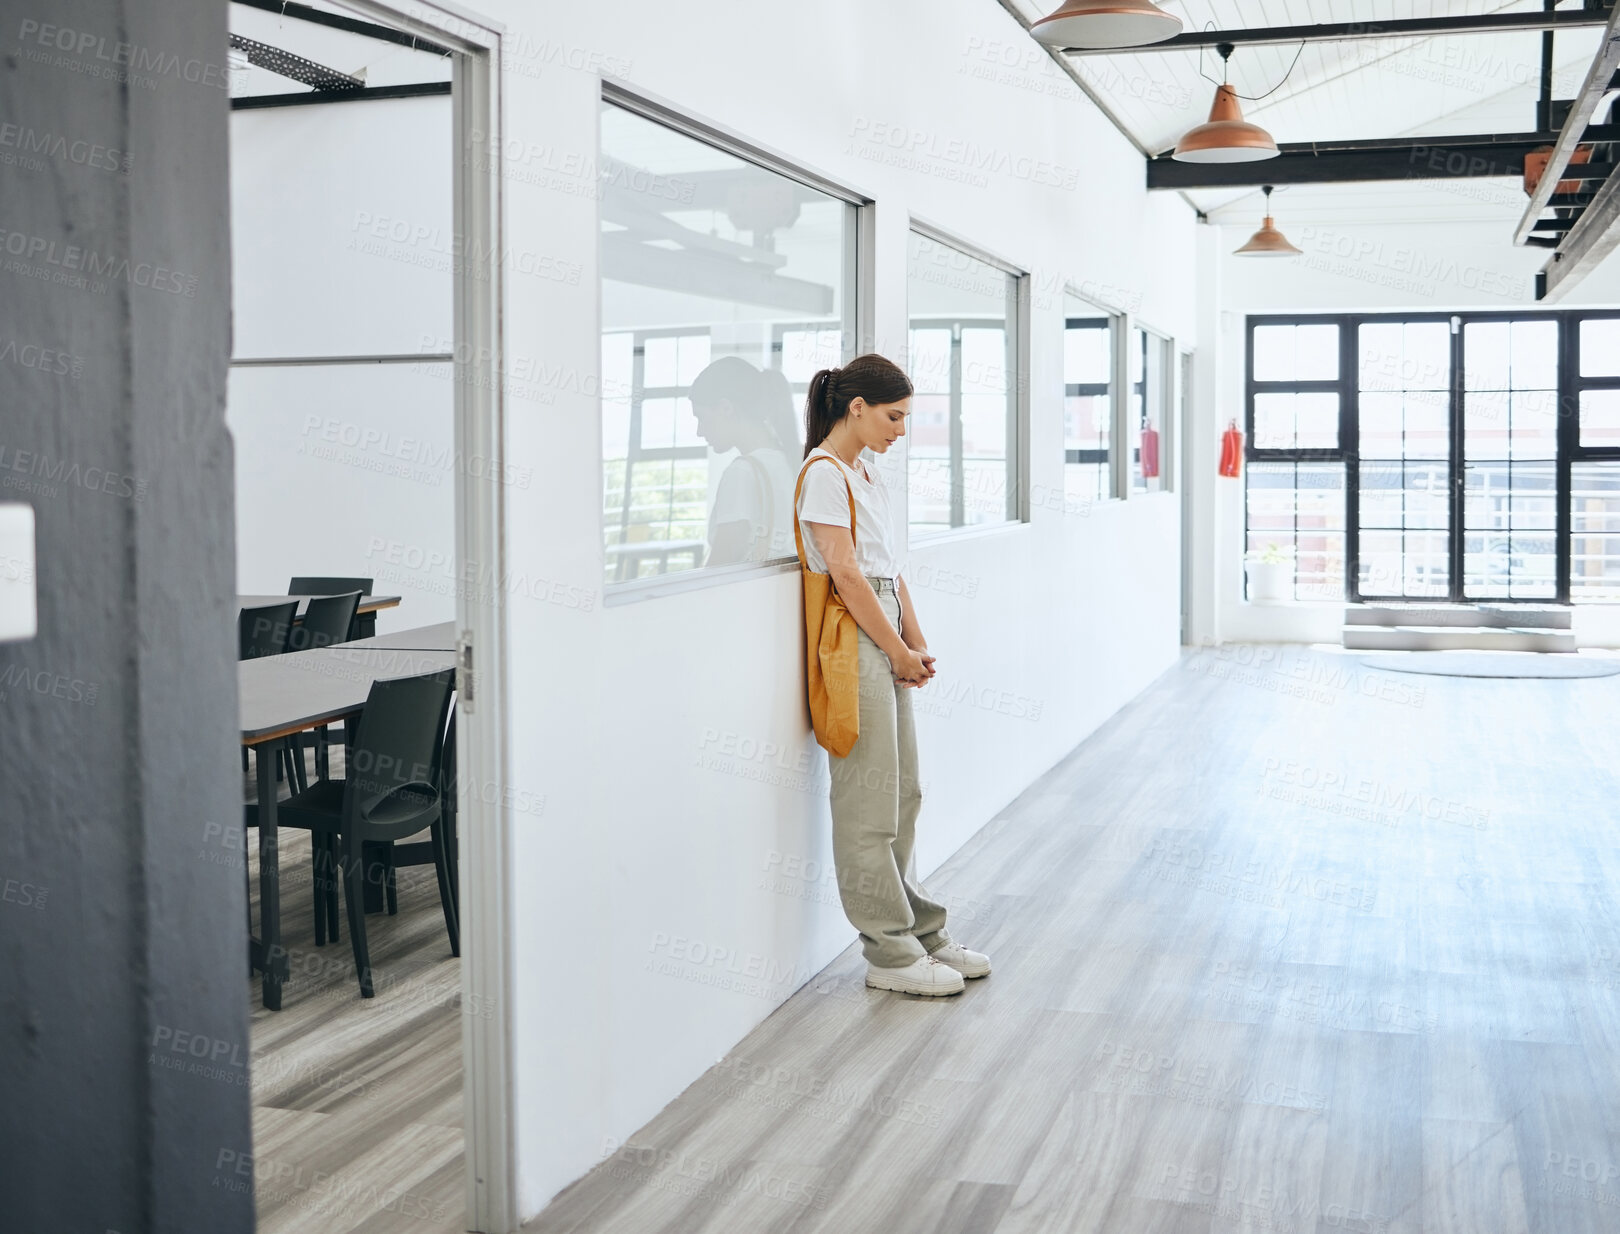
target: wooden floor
1288 946
357 1103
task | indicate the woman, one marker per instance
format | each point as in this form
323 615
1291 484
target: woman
875 793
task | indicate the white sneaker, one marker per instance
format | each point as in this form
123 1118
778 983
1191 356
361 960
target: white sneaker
968 963
924 975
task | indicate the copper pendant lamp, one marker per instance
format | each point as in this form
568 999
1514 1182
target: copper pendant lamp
1106 23
1226 137
1268 241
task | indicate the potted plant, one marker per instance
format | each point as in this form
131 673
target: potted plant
1271 574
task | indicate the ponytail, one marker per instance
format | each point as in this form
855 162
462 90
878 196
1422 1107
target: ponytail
871 377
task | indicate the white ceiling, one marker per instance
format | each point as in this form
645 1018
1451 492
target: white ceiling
1364 88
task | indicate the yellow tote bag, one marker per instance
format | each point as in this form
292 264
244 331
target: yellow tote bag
832 659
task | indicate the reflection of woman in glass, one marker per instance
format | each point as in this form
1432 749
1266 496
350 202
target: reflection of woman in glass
875 793
740 408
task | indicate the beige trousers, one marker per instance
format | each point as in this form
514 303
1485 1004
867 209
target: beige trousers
875 801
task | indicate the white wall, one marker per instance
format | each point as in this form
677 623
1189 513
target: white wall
341 246
634 826
1350 266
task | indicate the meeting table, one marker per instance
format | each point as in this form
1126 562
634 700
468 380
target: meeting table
294 693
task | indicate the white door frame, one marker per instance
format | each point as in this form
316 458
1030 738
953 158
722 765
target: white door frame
482 756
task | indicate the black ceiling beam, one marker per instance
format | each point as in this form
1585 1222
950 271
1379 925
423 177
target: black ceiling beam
410 90
1404 28
1397 158
336 21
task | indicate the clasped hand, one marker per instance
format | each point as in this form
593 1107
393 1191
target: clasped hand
916 669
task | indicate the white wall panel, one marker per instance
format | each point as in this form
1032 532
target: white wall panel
341 235
350 471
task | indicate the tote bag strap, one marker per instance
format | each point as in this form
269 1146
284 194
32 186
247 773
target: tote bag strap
798 536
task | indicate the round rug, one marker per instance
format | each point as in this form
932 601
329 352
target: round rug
1495 664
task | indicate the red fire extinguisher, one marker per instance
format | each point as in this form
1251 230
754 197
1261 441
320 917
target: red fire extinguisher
1231 449
1150 452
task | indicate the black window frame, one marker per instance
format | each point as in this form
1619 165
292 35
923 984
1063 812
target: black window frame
1568 450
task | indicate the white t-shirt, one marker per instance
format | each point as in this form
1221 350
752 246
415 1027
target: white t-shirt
824 499
757 489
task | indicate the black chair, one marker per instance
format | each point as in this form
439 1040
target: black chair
319 585
393 856
327 620
393 788
264 631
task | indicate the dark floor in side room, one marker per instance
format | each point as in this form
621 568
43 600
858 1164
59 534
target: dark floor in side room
357 1103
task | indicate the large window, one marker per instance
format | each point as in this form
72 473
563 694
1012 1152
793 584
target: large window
963 359
725 284
1424 456
1088 401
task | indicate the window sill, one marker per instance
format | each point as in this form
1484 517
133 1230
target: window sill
659 585
958 534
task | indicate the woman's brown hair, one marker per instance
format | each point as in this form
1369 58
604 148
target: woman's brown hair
872 377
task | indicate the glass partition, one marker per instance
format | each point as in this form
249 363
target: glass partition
963 361
725 284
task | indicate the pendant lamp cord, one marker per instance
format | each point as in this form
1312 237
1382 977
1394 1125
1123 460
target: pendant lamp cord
1226 50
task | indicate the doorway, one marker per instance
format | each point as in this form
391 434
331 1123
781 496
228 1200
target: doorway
465 357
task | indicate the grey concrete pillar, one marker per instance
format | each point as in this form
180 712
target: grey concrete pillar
124 993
